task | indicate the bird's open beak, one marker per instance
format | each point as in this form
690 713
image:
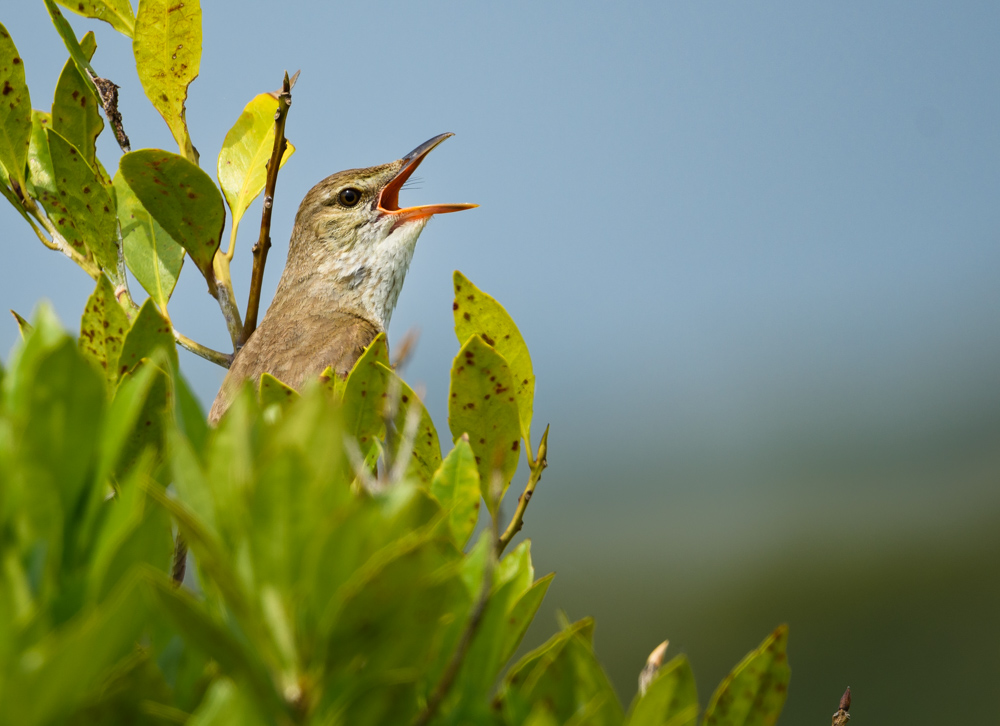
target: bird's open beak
388 201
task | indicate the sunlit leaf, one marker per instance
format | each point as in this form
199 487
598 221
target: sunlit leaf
68 36
149 331
41 177
476 313
481 403
456 486
76 109
15 109
103 328
182 199
670 700
755 692
245 152
153 256
89 222
365 393
23 325
273 391
426 455
167 49
117 13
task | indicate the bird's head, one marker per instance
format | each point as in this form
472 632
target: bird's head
353 239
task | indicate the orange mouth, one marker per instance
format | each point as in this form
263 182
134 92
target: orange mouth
388 200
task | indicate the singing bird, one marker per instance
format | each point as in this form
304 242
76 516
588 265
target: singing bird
349 252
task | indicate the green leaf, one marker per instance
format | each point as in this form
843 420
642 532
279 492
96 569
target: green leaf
149 331
41 177
476 313
182 199
754 693
245 152
225 704
189 414
117 13
273 391
364 395
426 455
103 328
131 401
76 109
153 256
521 615
22 325
167 49
15 110
456 486
670 700
90 222
65 31
481 403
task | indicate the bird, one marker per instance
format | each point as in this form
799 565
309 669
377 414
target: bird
349 251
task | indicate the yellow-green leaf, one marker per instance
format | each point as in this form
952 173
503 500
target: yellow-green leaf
149 331
456 486
117 13
365 393
15 110
670 700
85 214
426 455
245 151
167 49
75 108
274 391
153 256
754 693
103 328
68 36
482 404
182 198
476 313
41 178
22 325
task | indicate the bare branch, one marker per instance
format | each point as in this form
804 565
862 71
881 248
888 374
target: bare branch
842 716
537 467
221 359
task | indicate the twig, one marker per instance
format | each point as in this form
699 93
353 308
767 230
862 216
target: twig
537 467
405 348
221 359
264 241
842 716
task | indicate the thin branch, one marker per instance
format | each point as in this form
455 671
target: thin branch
405 348
537 467
220 359
264 241
842 716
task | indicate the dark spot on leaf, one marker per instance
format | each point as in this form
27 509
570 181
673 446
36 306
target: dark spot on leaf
454 305
16 61
516 445
482 441
86 190
76 95
488 339
524 382
406 399
7 88
467 316
163 97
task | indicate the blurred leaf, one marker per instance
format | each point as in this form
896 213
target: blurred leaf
117 13
481 403
365 393
225 704
22 325
242 166
91 223
476 313
456 486
189 415
167 49
563 674
103 328
181 198
149 331
65 31
426 455
15 110
149 424
274 391
130 402
521 615
153 256
670 700
76 109
754 693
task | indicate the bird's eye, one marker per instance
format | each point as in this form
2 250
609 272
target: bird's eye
349 197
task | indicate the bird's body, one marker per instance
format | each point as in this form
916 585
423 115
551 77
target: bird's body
348 255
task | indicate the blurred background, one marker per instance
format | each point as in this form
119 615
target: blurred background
754 251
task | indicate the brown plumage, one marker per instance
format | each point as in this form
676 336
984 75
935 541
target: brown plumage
348 255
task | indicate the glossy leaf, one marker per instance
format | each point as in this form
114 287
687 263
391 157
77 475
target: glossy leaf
670 700
755 692
23 326
364 395
426 455
76 109
103 328
476 313
149 331
83 210
482 404
15 110
181 198
117 13
273 391
456 486
153 256
242 166
167 49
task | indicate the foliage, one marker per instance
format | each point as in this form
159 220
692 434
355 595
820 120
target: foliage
338 576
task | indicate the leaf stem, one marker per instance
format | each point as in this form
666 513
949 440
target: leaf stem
537 467
58 242
264 241
222 291
221 359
